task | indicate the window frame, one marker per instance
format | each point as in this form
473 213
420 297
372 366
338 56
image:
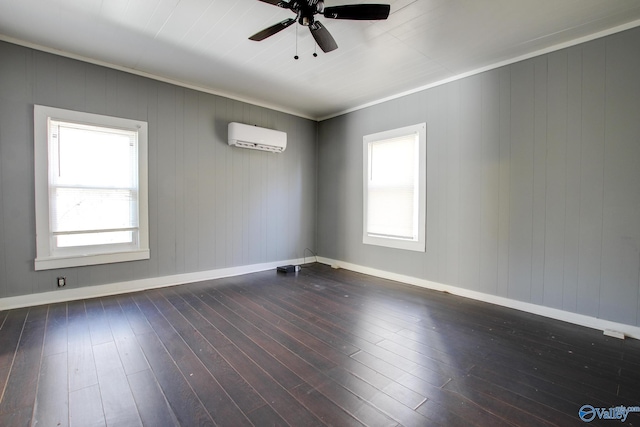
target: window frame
47 257
419 243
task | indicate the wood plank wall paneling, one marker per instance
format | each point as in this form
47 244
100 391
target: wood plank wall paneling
533 181
210 205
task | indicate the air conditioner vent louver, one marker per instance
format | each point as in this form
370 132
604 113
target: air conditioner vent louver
256 138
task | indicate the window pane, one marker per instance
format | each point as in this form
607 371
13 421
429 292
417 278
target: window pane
393 161
77 209
391 212
93 180
90 239
392 196
93 157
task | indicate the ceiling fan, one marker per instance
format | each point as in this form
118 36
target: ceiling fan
305 11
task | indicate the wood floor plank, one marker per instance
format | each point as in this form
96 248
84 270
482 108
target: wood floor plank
265 415
129 350
445 416
52 408
510 387
364 380
354 404
117 398
442 401
3 316
153 408
98 324
397 368
9 339
511 407
21 386
85 407
56 332
137 322
327 411
186 406
19 418
81 366
385 403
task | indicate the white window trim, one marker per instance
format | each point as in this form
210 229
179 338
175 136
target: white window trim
419 244
45 259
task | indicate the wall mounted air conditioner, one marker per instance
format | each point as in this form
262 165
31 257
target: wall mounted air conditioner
254 137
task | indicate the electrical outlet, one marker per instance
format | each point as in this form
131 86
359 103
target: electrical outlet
62 281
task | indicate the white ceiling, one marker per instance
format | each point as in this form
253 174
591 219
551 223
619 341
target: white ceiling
204 43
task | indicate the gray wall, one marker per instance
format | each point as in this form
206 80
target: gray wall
210 205
533 182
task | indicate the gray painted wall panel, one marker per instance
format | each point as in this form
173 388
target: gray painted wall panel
179 209
210 205
539 179
547 210
72 85
591 178
15 69
45 88
504 185
190 192
432 263
572 173
490 183
452 185
153 118
555 203
19 207
165 175
470 179
220 185
521 181
206 181
621 228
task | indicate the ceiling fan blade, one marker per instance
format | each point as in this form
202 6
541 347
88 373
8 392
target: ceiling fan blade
365 12
323 37
277 3
268 32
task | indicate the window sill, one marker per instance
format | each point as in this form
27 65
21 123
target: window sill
94 259
409 245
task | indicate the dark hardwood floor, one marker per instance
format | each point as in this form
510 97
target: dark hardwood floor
321 347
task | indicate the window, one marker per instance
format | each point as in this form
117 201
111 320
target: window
91 189
395 188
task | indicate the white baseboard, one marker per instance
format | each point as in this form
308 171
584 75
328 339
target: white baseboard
612 328
64 295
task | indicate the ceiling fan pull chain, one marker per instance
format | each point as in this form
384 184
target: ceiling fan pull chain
296 56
